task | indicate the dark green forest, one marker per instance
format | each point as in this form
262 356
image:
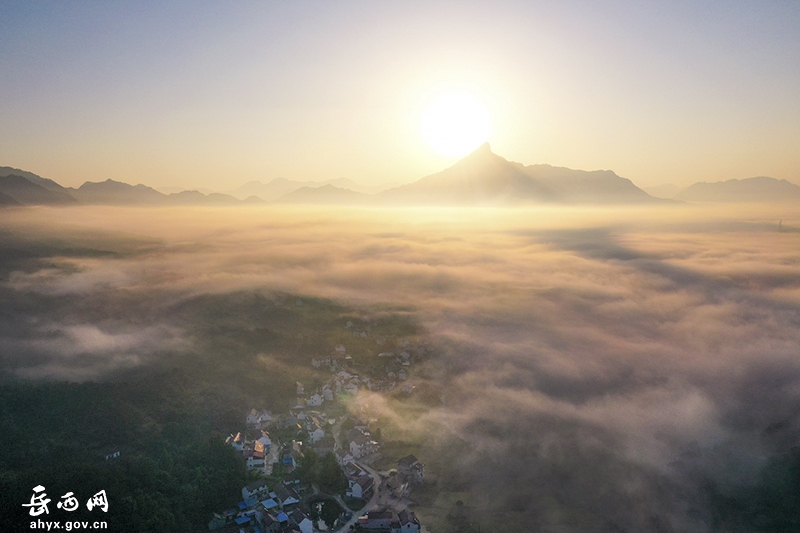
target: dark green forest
174 468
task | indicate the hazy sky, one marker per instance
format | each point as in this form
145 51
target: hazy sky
209 94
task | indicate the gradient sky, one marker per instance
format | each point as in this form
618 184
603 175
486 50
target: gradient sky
212 94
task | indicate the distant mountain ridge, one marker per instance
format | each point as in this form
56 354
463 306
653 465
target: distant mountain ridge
758 189
279 187
25 192
327 194
117 192
481 178
33 178
6 200
19 187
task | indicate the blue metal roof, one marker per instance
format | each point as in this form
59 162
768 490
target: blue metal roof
269 504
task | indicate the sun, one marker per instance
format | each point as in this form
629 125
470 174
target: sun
455 124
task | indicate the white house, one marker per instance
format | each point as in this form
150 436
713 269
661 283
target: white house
344 457
360 487
408 521
258 419
302 521
254 489
315 433
361 444
262 444
254 459
315 400
264 418
411 467
285 496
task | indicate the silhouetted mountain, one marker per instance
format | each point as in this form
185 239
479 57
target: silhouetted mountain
253 200
173 190
198 198
581 186
48 184
6 200
486 178
327 194
481 177
112 192
760 189
27 193
279 187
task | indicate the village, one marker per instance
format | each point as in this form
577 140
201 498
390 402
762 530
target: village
312 464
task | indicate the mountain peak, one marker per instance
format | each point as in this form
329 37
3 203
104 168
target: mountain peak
482 149
482 155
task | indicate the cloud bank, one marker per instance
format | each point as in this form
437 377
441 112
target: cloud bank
597 370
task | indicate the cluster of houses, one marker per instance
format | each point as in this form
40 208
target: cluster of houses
342 382
359 444
261 452
258 452
394 366
266 511
280 510
387 522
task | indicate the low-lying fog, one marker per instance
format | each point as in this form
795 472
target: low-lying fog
612 363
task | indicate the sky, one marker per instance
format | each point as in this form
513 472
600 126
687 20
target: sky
212 95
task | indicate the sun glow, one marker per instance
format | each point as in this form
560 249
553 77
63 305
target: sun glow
455 124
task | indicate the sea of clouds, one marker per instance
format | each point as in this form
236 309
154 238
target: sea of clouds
613 362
